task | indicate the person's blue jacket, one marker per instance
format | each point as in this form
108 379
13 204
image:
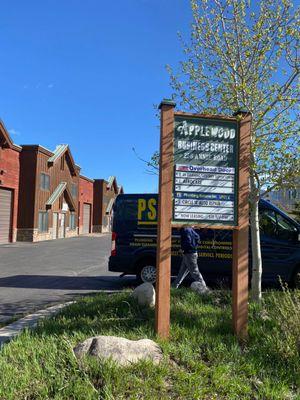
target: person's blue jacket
189 240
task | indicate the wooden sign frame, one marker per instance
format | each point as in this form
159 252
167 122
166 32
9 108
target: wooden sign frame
240 232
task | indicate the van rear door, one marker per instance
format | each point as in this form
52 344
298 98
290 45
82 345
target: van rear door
280 247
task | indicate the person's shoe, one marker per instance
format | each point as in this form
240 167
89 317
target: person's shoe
207 291
200 288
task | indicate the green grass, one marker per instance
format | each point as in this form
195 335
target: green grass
202 359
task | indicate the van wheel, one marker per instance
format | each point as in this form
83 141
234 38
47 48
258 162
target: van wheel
296 279
146 273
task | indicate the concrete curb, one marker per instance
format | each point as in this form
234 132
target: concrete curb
12 330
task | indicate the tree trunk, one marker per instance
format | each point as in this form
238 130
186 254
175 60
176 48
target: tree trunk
255 245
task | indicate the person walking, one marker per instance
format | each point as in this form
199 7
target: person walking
189 240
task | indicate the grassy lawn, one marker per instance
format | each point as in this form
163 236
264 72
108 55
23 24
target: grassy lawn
202 359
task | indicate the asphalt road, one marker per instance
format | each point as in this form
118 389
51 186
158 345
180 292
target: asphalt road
37 275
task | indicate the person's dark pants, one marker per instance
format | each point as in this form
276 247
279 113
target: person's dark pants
189 265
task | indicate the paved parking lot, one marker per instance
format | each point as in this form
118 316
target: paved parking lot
36 275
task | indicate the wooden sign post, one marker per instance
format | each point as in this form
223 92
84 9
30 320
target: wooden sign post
164 229
240 257
203 181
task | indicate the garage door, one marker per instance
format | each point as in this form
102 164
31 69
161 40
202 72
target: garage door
86 218
5 215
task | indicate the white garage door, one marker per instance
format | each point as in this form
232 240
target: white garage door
5 215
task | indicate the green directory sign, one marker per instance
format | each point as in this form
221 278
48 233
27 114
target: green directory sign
205 170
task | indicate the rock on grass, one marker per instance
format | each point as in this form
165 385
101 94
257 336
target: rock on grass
145 294
122 351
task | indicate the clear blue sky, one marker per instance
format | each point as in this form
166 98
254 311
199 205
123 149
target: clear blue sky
88 73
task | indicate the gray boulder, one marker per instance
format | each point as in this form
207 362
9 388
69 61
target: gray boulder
122 351
145 294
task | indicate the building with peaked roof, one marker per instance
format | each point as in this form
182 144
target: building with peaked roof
9 186
48 201
86 204
96 200
43 196
105 193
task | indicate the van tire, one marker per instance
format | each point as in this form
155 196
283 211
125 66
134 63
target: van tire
296 279
146 272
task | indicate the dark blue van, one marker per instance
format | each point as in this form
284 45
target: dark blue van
134 243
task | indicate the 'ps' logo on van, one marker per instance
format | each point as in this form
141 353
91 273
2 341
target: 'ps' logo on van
147 211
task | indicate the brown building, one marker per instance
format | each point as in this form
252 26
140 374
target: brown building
105 193
86 194
43 196
9 186
48 201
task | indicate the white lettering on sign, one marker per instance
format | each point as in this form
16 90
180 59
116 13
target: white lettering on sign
200 175
204 182
219 132
211 147
199 216
192 202
202 189
210 210
200 168
204 193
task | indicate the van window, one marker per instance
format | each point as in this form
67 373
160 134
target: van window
274 225
286 230
267 223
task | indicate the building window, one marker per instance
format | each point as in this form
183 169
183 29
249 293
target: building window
74 190
72 223
45 182
62 163
43 221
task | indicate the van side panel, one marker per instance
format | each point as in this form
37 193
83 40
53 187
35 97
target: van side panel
135 226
